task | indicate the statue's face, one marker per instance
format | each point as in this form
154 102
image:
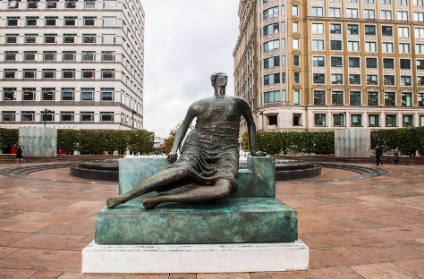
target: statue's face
221 80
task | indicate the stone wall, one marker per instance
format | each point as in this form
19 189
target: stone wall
37 141
352 143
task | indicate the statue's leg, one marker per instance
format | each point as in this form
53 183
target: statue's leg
221 189
155 182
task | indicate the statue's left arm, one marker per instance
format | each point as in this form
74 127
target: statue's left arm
251 127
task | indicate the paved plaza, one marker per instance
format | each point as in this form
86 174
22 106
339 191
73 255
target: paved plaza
355 227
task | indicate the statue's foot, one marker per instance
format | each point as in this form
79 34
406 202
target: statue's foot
113 202
150 203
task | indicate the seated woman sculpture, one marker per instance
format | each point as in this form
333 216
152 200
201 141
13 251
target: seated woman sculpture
208 166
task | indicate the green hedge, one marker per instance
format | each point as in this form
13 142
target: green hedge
8 137
409 140
97 141
281 142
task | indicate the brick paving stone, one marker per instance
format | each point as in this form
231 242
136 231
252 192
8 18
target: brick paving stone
356 228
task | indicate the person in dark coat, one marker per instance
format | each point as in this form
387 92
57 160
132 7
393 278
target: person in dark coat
396 153
378 154
19 154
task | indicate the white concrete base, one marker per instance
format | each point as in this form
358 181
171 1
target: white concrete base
195 258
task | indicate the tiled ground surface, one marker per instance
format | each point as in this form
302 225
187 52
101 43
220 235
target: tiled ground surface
367 228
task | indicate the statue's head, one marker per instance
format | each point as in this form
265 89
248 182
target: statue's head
219 80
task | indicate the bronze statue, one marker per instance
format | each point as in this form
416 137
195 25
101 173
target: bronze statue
208 166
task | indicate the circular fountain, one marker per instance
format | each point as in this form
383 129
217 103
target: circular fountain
97 169
295 169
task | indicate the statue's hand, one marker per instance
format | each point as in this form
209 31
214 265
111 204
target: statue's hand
258 153
172 157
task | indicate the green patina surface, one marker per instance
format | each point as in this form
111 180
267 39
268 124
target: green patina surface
258 180
251 215
233 220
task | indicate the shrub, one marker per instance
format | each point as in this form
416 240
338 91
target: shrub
409 140
67 140
8 137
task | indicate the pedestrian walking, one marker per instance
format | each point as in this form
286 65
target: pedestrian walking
378 154
19 154
396 153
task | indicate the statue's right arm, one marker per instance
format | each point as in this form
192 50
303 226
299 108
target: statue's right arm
181 131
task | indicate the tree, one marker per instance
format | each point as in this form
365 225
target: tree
169 141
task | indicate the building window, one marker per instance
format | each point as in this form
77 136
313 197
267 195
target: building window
389 80
272 97
354 62
387 31
352 13
50 38
11 38
109 4
271 45
403 32
271 62
69 38
296 43
108 39
31 20
49 55
391 120
406 99
356 120
318 61
30 38
319 78
12 21
29 55
87 116
296 97
69 56
295 10
47 116
336 45
334 12
387 47
405 81
421 99
70 4
388 63
68 94
353 29
386 15
107 94
14 4
419 16
354 79
88 56
51 4
9 116
405 64
87 94
371 63
419 32
50 20
419 48
47 94
49 73
106 116
109 21
89 4
270 29
28 116
317 28
335 28
317 11
89 20
317 45
69 20
28 94
336 61
10 73
370 46
338 120
421 120
372 80
88 38
373 98
373 120
10 55
404 48
296 120
420 64
319 97
407 121
272 119
270 13
272 79
420 80
68 73
402 15
353 46
29 73
355 98
88 74
295 27
337 98
370 30
336 78
67 116
390 99
320 119
9 94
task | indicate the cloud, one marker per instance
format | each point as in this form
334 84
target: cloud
185 42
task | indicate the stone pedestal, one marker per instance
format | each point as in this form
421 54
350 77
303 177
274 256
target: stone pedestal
195 258
38 141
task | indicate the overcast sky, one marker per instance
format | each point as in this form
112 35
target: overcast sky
185 41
